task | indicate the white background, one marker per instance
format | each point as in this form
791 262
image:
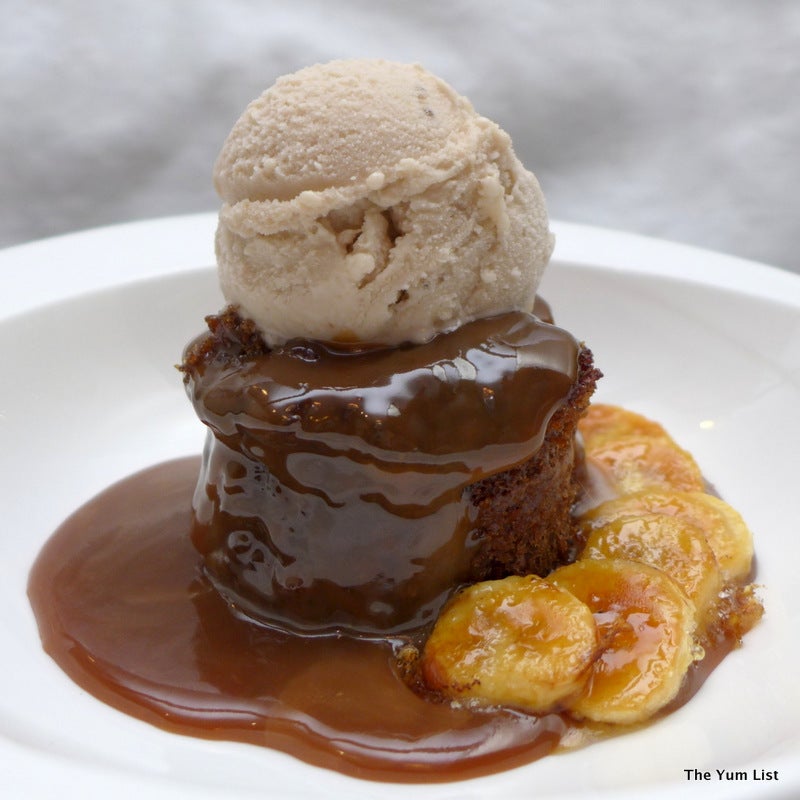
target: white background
679 120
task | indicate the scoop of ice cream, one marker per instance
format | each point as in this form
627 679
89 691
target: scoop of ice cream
366 200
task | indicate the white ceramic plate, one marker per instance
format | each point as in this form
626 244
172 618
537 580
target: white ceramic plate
90 327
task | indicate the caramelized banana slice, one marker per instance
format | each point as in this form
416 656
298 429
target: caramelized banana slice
633 463
646 626
606 423
633 453
519 642
670 544
723 526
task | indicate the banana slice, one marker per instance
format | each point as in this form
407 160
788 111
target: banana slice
633 463
723 526
632 453
646 626
519 642
605 423
670 544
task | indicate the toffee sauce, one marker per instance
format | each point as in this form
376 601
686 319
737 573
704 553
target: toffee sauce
126 606
125 610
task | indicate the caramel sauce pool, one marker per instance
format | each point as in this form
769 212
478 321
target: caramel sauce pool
124 609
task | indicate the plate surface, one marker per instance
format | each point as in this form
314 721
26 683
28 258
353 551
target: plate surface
90 330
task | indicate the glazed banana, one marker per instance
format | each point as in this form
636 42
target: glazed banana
606 423
632 453
610 637
725 530
646 626
671 544
521 642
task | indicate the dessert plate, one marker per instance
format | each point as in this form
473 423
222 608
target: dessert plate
91 325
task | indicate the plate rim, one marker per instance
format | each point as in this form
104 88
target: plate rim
161 246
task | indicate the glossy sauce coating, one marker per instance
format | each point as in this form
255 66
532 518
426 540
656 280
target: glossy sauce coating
334 491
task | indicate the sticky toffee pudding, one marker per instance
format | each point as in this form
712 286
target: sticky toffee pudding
352 488
412 550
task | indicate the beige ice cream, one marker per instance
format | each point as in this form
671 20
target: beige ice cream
367 200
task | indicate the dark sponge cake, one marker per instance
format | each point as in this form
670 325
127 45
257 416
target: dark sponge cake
524 520
354 488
